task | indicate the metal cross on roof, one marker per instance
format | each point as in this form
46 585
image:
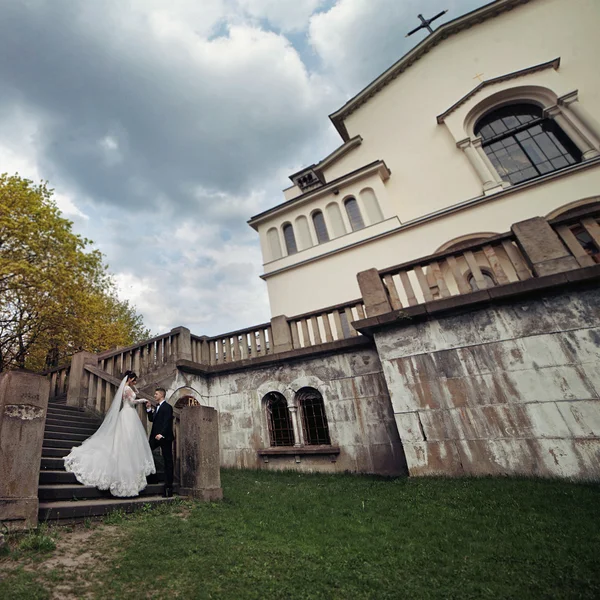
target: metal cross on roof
425 23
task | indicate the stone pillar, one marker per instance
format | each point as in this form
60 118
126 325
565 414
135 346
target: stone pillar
585 146
542 248
79 378
485 174
23 404
199 455
282 335
373 292
205 351
580 117
184 343
298 437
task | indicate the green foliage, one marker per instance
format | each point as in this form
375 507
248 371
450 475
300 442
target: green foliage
56 295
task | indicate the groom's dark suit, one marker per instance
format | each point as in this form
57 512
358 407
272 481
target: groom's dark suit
162 423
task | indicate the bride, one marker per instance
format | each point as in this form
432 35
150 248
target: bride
117 457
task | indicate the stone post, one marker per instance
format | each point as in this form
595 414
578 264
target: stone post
205 351
542 247
282 335
79 378
199 456
184 343
374 293
23 404
585 146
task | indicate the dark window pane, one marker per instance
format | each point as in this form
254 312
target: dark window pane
290 239
356 220
320 227
281 431
314 420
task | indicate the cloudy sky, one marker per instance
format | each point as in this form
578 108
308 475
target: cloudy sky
164 125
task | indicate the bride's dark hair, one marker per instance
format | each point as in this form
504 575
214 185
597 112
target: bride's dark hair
130 375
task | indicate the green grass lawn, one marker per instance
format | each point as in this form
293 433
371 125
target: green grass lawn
286 535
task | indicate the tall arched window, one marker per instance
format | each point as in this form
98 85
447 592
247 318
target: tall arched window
372 208
274 245
353 210
335 218
290 239
314 420
522 144
303 233
281 430
320 227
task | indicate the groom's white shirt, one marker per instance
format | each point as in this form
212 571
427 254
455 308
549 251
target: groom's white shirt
156 410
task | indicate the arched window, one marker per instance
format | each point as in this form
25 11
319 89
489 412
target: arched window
320 227
335 218
314 421
372 208
303 233
281 430
290 239
490 282
274 245
522 144
353 210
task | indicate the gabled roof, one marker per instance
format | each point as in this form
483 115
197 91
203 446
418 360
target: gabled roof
441 33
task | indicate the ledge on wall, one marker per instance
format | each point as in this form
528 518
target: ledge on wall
297 450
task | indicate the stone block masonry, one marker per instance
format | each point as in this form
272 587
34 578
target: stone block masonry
508 388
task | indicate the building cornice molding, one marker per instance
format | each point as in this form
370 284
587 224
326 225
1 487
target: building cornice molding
377 167
453 27
449 210
551 64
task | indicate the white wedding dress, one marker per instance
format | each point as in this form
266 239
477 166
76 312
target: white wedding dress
118 456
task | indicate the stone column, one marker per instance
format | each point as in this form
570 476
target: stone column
580 117
184 343
79 378
500 183
585 146
298 433
199 454
374 293
542 248
23 404
485 174
282 336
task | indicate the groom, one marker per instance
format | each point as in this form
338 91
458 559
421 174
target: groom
161 435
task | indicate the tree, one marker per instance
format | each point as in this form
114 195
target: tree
56 294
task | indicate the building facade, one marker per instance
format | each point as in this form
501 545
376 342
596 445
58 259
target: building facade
492 119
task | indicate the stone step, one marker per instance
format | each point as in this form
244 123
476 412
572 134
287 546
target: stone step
70 422
58 475
52 406
54 463
53 511
53 435
52 443
76 491
48 452
87 429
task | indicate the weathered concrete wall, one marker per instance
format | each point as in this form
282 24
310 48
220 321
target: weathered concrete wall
507 389
356 402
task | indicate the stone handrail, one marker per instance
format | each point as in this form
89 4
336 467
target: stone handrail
326 325
580 233
531 249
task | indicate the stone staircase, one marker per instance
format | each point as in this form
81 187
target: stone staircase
61 496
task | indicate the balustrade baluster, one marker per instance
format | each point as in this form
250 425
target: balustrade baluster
305 333
314 321
492 258
327 327
395 302
422 279
516 259
408 289
475 270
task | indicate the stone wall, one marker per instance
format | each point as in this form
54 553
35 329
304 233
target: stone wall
357 405
510 387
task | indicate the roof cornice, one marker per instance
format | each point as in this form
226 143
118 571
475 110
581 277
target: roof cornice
441 33
377 166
